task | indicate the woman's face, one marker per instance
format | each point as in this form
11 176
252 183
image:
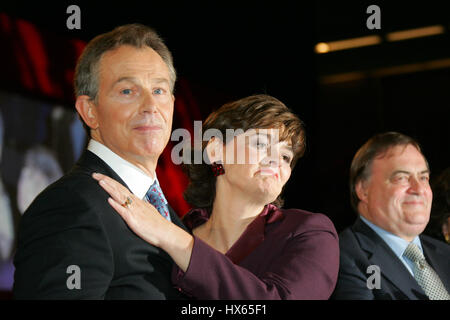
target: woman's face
257 164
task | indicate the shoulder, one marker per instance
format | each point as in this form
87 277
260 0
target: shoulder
301 225
347 235
73 199
434 244
356 246
75 187
72 203
302 220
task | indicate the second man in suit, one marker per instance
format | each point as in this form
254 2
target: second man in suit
384 255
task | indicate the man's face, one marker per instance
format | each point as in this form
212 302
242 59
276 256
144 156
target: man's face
135 104
397 197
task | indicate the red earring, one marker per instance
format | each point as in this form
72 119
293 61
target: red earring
217 169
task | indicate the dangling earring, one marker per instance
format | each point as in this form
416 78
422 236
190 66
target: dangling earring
217 169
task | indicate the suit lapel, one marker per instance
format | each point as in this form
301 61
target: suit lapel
392 269
92 163
175 219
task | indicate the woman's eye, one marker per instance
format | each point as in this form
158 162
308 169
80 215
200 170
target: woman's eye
287 158
261 145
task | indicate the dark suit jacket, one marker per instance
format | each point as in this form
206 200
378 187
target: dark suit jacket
361 247
283 254
71 223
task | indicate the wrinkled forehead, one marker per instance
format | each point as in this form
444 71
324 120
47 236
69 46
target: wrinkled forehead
129 61
138 71
401 156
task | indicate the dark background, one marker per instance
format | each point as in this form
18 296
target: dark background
228 50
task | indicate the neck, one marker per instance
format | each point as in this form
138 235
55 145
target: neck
146 164
231 214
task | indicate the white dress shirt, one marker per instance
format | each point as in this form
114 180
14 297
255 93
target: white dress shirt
136 179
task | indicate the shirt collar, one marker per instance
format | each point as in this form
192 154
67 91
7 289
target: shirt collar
136 179
398 245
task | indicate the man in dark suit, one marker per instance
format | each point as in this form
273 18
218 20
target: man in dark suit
71 242
384 255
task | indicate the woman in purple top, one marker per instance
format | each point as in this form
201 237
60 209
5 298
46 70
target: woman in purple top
241 244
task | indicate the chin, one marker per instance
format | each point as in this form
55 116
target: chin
151 148
269 197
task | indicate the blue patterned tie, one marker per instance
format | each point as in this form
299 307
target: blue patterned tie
156 197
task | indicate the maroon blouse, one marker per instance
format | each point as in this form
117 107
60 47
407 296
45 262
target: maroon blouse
282 254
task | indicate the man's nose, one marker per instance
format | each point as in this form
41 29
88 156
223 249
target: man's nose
149 103
416 186
272 158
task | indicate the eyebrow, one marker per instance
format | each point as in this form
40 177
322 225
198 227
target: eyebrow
133 79
408 172
269 136
159 80
122 79
288 148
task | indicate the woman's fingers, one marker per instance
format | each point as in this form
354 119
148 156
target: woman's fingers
110 181
123 211
114 188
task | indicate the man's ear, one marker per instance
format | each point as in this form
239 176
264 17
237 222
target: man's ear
361 190
445 230
87 111
214 150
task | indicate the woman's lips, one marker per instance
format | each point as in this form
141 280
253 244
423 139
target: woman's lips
267 172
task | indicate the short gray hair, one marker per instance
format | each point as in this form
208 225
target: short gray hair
136 35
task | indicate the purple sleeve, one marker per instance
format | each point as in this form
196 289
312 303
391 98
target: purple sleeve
306 269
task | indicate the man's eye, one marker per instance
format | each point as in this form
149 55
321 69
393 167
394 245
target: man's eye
126 91
401 178
158 91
